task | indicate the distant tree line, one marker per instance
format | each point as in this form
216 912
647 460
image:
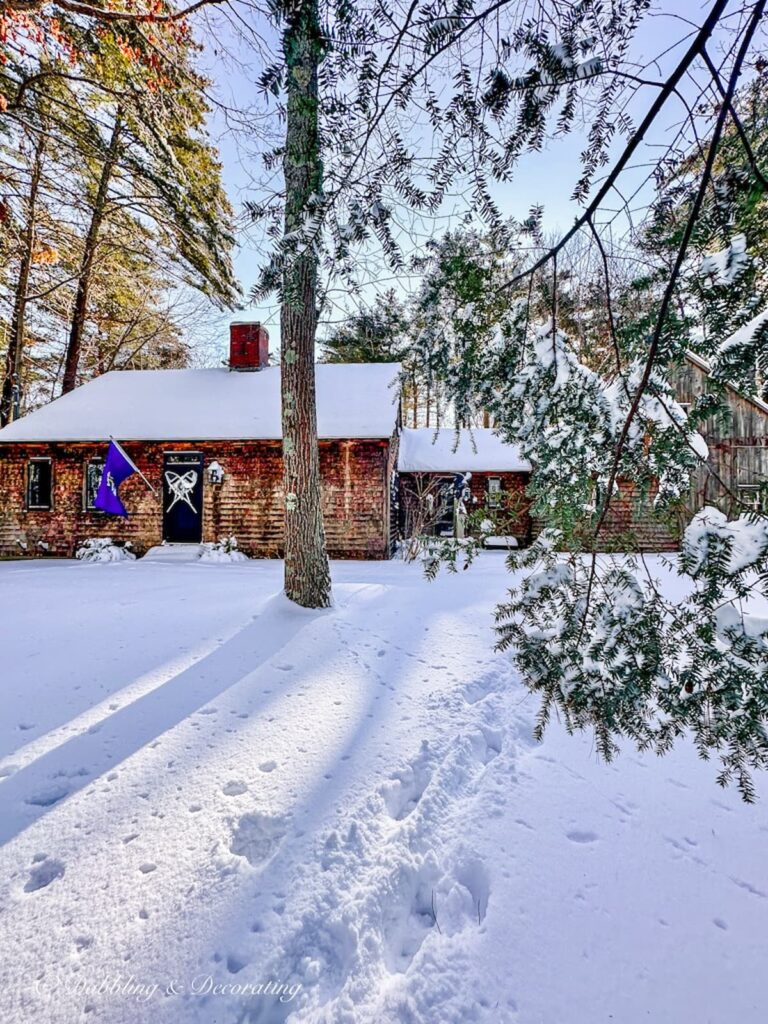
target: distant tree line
114 225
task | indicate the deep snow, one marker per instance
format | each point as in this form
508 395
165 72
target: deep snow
202 782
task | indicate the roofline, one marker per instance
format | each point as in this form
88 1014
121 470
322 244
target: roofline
182 440
494 469
702 364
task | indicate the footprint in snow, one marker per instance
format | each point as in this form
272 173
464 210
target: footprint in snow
43 873
257 836
234 788
48 797
748 887
677 783
479 689
235 963
148 867
267 766
486 744
406 788
582 837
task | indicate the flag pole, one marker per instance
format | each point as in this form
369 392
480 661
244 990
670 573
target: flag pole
128 458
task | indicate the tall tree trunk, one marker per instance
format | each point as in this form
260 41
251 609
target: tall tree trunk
13 357
307 574
80 310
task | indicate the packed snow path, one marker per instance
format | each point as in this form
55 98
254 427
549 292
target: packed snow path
208 796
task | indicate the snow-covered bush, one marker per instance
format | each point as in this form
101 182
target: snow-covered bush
223 550
104 549
606 650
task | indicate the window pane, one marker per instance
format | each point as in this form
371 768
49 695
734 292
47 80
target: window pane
751 497
39 487
494 491
93 473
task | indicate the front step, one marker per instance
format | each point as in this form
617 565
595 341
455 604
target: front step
174 553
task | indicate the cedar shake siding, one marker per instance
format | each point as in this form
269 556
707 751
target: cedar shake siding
248 504
632 524
513 509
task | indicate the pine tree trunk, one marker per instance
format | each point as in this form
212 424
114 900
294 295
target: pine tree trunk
80 310
13 357
307 574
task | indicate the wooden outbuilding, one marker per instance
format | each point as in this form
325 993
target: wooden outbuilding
737 466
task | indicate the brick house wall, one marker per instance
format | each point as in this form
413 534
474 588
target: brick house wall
631 525
248 504
514 499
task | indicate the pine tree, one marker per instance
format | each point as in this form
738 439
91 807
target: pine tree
307 574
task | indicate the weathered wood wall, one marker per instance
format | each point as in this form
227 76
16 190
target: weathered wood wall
248 504
738 444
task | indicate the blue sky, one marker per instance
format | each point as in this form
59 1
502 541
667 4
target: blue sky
542 178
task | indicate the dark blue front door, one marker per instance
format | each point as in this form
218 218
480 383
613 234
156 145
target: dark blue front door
183 497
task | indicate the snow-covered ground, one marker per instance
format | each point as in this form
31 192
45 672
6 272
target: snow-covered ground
207 794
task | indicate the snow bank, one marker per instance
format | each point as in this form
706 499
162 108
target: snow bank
206 795
104 549
224 550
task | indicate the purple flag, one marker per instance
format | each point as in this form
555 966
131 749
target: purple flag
117 467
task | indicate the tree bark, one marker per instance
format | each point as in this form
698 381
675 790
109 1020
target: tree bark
13 357
80 309
307 574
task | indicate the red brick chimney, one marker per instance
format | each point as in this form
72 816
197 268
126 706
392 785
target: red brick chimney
248 345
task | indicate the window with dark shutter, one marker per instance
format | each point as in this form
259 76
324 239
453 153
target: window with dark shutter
94 470
39 481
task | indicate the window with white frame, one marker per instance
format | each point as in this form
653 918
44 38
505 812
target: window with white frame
94 469
494 492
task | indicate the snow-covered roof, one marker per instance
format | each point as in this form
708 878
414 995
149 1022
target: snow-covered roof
745 333
353 400
424 450
702 364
